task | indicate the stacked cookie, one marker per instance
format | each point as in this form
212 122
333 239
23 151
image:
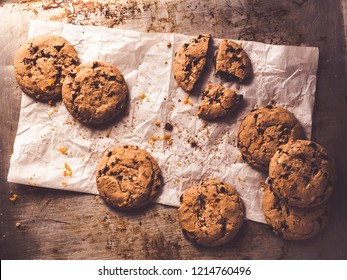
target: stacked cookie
301 173
47 69
231 63
301 179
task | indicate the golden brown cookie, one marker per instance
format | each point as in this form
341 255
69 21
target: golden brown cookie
232 61
302 173
189 62
263 130
218 101
95 93
128 177
42 63
211 214
291 222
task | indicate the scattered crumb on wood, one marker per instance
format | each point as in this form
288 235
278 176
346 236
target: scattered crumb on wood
14 197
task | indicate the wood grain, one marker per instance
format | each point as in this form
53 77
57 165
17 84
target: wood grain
66 225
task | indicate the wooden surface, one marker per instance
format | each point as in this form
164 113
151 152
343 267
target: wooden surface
67 225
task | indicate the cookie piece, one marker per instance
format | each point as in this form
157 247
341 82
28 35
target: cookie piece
232 61
263 130
218 101
302 173
95 92
211 214
291 222
42 63
128 177
189 62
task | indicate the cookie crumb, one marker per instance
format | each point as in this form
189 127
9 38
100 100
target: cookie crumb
108 132
68 170
63 150
166 136
142 96
63 183
187 100
14 197
240 179
157 123
168 44
18 224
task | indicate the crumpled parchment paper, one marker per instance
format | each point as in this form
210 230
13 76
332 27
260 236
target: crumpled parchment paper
52 150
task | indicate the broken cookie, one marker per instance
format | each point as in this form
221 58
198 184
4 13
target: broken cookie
218 101
42 63
95 93
232 61
128 177
211 214
189 62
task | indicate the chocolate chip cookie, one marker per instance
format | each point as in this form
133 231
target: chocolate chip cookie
263 130
211 214
42 63
218 101
189 62
128 177
291 222
302 173
95 93
233 62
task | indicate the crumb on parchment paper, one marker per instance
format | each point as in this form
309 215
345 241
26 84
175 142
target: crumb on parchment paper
165 137
187 100
63 150
240 179
68 170
108 132
142 95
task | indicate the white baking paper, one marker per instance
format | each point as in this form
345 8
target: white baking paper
52 150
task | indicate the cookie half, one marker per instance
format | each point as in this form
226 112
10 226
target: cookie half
42 63
263 130
218 101
302 173
189 62
211 214
291 222
233 62
128 177
95 93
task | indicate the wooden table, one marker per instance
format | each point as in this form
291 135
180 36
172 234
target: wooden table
51 224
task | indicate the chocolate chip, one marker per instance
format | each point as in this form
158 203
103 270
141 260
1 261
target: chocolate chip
168 127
